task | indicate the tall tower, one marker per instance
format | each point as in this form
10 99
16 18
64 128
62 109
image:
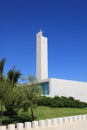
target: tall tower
41 57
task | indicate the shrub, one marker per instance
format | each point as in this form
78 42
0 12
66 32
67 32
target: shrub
44 101
62 101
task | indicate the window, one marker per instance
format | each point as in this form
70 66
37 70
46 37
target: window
45 88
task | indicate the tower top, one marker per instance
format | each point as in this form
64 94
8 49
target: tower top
40 33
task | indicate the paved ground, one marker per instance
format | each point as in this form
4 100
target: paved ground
80 125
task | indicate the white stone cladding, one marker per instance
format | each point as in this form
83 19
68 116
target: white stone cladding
41 57
61 87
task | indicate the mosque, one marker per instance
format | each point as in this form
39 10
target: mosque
53 86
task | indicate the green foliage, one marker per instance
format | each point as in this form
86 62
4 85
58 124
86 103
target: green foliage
61 102
56 102
44 101
12 100
13 75
10 97
2 63
32 92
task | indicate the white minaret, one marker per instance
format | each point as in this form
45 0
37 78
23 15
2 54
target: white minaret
41 57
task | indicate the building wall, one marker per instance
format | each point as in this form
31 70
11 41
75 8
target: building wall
60 87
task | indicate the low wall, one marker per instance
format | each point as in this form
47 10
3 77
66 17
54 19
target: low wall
44 123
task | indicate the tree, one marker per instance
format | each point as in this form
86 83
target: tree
32 92
13 75
1 100
12 99
2 63
10 96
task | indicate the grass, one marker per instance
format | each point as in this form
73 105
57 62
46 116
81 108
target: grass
43 112
47 112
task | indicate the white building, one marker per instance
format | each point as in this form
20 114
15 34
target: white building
51 86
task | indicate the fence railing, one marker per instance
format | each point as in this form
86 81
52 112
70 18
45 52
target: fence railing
44 123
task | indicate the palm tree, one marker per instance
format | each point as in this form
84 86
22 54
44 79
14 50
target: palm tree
13 75
2 63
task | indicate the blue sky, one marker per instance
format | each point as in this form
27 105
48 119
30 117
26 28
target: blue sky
64 22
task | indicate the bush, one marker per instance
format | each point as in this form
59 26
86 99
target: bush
57 102
44 101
